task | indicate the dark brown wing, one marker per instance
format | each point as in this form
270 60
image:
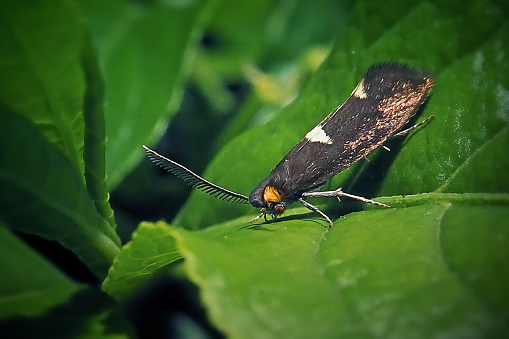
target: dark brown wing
381 104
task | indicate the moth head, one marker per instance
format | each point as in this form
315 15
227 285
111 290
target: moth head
273 198
268 198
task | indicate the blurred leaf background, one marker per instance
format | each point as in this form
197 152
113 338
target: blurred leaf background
227 88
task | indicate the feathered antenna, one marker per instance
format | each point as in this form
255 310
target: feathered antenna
194 180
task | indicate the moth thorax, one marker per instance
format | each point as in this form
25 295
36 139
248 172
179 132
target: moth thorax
272 195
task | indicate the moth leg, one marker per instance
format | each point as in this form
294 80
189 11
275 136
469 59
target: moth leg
340 193
405 131
314 209
258 217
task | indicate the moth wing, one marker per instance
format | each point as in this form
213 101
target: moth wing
381 104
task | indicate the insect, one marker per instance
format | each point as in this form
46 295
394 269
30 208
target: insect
387 96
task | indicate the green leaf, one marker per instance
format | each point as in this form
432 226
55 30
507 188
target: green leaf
43 194
30 285
402 272
144 50
152 248
470 131
95 136
49 73
399 272
42 76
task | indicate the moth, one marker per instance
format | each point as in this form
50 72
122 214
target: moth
387 96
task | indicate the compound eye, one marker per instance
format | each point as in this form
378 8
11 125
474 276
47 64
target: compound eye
279 209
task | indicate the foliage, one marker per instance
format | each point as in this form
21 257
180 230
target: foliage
76 74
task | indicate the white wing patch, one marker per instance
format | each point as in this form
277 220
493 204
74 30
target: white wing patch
359 91
317 134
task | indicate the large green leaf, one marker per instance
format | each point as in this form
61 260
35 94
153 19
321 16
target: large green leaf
52 166
43 194
401 272
405 272
30 285
42 76
143 48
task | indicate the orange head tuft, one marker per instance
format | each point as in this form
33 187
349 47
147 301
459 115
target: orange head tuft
272 195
